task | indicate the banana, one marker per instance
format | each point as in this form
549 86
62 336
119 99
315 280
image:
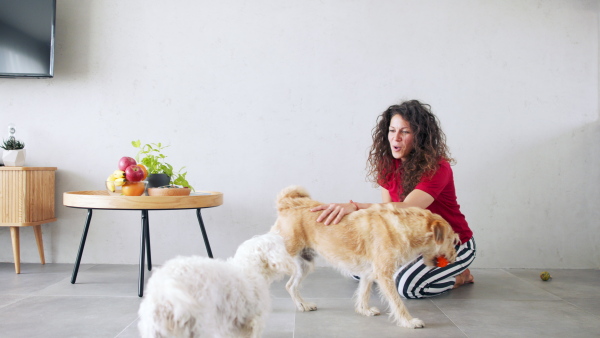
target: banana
110 183
119 174
119 182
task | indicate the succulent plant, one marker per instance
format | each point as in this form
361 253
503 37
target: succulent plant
12 144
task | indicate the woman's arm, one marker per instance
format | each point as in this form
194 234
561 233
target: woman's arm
334 212
416 198
385 195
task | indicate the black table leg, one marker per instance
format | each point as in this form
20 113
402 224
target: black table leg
204 233
147 228
81 245
142 258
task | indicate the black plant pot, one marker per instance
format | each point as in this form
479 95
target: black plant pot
158 180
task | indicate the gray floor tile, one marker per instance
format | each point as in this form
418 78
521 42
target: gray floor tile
36 268
591 305
336 318
99 280
33 277
502 303
131 331
509 318
42 316
323 282
568 283
281 321
10 299
497 284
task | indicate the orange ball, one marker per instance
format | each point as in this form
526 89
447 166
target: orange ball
441 261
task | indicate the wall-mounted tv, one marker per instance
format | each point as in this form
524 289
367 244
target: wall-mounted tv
27 38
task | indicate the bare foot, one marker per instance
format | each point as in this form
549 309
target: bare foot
464 278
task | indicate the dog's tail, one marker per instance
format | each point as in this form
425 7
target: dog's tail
290 197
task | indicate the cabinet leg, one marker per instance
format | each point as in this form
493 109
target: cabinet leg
37 230
14 234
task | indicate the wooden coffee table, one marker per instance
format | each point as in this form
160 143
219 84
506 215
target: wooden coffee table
100 199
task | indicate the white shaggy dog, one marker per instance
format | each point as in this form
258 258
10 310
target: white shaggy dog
203 297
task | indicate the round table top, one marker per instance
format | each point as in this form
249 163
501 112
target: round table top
100 199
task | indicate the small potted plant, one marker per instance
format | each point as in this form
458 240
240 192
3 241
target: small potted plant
160 173
14 152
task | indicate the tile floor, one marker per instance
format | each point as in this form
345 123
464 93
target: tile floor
41 302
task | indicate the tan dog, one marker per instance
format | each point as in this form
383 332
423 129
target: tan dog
371 243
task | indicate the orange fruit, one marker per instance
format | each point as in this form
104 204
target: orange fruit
144 170
133 189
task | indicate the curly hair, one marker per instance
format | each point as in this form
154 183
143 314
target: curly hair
429 147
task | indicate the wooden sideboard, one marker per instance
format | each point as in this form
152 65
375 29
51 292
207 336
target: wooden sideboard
26 199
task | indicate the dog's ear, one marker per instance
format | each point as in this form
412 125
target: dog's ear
439 230
275 258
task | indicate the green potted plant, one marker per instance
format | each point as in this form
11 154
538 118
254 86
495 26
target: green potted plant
14 152
160 173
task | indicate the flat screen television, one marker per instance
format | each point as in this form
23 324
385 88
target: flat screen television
27 38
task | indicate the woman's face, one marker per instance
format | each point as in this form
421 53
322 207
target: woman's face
401 137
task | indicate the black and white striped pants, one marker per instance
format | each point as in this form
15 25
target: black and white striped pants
416 280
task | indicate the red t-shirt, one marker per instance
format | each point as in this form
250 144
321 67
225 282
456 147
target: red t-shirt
441 188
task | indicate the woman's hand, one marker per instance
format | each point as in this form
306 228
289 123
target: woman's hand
334 212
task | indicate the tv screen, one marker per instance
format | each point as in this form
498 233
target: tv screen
27 38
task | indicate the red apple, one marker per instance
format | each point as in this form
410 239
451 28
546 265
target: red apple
125 162
134 173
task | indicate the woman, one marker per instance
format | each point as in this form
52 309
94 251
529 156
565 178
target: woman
410 160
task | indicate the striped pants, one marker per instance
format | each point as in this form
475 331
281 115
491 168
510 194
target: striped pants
416 280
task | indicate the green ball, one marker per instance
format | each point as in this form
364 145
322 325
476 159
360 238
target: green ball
545 276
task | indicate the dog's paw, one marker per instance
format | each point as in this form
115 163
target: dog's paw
369 312
306 306
414 323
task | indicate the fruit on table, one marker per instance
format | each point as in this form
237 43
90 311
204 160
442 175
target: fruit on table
128 176
134 173
125 162
133 188
110 183
119 182
118 174
144 169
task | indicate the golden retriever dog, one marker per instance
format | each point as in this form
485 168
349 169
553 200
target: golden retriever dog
371 243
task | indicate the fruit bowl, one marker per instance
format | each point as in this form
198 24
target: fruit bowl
127 189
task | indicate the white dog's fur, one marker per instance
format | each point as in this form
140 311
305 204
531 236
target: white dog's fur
371 243
203 297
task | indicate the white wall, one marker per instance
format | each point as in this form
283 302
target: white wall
256 95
